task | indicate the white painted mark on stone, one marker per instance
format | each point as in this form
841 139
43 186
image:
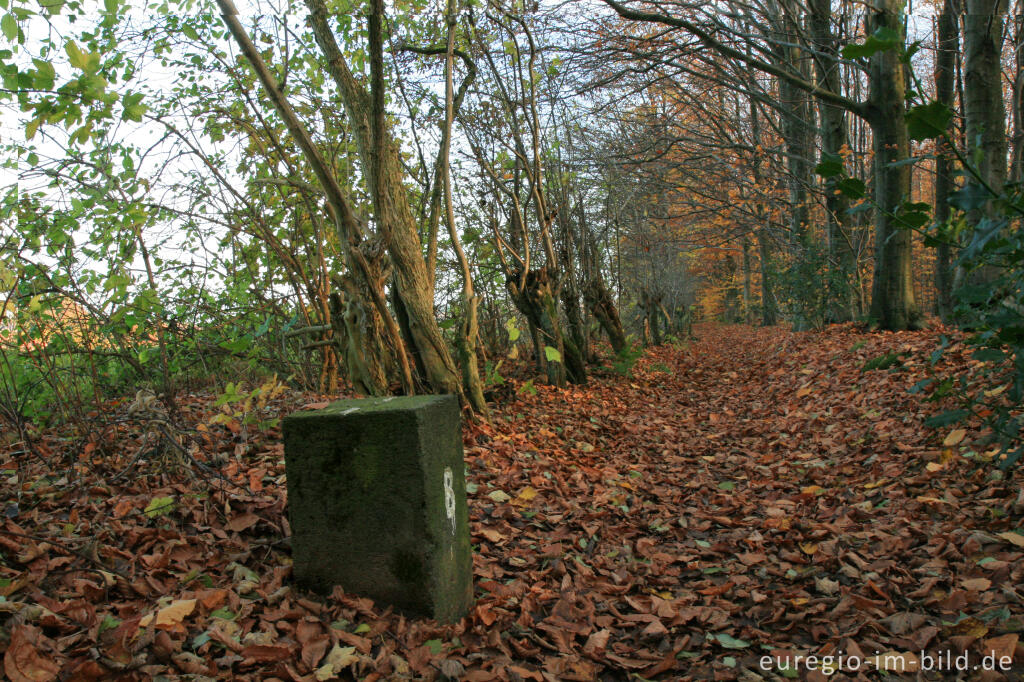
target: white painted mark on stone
449 496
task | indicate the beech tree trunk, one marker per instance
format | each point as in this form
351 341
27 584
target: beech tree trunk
1017 161
842 259
948 37
892 292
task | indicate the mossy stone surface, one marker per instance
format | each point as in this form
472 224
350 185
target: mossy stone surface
377 502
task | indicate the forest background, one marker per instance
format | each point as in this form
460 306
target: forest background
407 197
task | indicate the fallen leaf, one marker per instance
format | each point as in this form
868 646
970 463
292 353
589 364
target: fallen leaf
170 617
24 662
954 437
976 584
1002 646
499 496
895 662
1013 538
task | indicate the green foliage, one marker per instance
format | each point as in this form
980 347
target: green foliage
662 368
248 407
808 287
883 39
528 388
884 361
626 359
927 121
159 506
491 375
512 329
551 354
990 303
994 309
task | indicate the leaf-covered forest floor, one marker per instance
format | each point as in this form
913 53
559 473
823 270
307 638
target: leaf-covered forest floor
752 494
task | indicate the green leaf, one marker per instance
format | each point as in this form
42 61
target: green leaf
927 121
159 506
109 623
883 39
552 354
9 26
513 331
729 642
190 31
134 112
435 646
831 165
75 55
726 485
946 418
971 196
361 628
32 127
239 345
852 187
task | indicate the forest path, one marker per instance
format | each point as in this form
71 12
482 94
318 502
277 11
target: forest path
753 493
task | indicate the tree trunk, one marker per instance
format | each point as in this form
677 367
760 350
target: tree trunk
469 330
746 280
1017 162
534 296
983 90
948 45
365 258
379 153
601 304
892 291
769 309
650 303
842 260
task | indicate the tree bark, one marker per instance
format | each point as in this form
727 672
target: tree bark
1017 162
983 92
842 259
363 256
892 292
948 45
469 329
381 162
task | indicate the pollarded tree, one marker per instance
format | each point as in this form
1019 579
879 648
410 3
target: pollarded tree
419 342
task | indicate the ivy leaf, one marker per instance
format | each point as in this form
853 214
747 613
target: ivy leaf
883 39
830 166
852 187
927 121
